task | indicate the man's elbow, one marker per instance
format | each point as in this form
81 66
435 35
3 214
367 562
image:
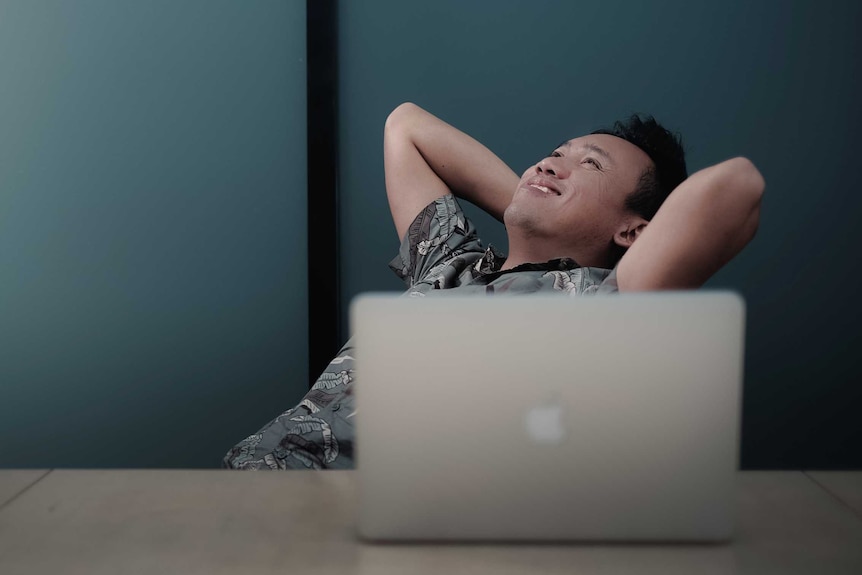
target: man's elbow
748 181
748 186
400 119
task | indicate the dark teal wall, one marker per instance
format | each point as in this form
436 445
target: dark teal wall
152 235
779 82
152 185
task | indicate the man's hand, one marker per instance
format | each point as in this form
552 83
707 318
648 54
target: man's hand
426 158
704 223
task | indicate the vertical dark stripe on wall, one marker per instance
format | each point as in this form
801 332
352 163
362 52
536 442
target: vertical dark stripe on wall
323 268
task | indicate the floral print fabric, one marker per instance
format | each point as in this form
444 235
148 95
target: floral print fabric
441 251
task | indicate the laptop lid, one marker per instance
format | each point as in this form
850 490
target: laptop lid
548 418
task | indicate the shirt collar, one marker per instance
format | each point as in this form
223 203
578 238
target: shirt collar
488 267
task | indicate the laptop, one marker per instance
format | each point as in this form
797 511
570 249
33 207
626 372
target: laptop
547 418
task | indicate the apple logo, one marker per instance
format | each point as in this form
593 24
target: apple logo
545 423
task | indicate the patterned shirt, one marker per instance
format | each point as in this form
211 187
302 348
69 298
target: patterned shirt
440 251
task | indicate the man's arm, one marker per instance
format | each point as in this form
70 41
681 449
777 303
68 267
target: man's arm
704 223
426 158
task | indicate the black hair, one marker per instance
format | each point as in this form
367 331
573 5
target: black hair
664 149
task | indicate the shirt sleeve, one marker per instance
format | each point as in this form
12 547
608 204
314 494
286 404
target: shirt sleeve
609 284
439 234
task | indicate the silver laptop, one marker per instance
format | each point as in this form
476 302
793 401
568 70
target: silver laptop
548 418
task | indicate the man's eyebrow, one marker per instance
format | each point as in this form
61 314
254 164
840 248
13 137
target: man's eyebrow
562 144
588 146
600 151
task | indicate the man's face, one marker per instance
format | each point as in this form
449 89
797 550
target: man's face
577 194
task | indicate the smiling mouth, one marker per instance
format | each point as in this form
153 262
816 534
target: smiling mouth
544 189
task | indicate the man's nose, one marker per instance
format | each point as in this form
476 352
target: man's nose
551 167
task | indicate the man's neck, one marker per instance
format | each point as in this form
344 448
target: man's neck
533 252
518 257
513 260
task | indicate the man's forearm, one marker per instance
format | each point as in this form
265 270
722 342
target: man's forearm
702 225
469 169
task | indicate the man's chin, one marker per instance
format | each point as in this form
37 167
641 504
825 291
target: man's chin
522 220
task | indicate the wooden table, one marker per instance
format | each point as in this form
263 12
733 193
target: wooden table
171 521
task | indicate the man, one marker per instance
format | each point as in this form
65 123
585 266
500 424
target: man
610 211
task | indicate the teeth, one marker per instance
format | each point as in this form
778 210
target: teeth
543 189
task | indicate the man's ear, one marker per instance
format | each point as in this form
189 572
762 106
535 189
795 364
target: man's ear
629 231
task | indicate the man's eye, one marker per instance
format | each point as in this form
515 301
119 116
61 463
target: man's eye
593 162
556 154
